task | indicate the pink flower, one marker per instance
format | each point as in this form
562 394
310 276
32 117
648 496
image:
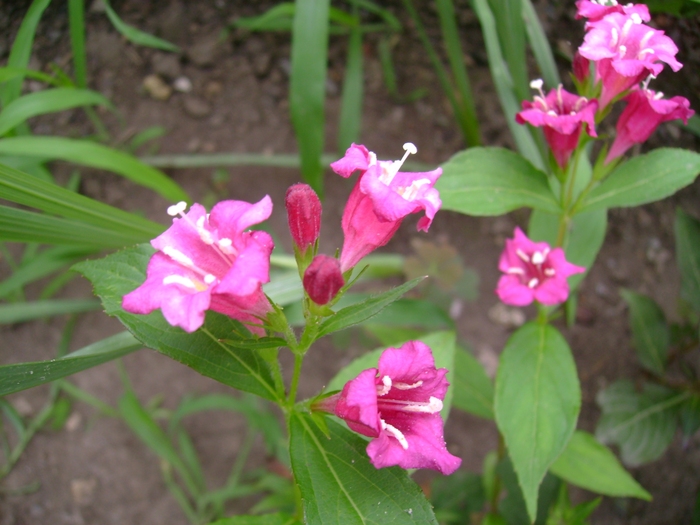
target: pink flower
303 214
208 261
533 271
644 112
382 197
596 10
562 114
399 406
626 51
323 279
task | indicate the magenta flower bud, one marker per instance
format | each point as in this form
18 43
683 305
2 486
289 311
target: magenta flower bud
323 279
303 215
581 67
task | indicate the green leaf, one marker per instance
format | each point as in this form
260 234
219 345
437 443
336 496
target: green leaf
76 19
642 424
540 45
493 181
690 415
537 402
649 330
687 233
471 387
456 497
357 313
21 312
307 85
265 519
351 102
30 191
590 465
513 508
646 178
21 376
244 369
135 35
339 486
22 50
88 153
47 101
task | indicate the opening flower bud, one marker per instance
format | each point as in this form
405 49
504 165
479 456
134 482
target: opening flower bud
323 279
303 215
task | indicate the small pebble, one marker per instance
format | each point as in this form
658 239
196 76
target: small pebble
156 88
182 84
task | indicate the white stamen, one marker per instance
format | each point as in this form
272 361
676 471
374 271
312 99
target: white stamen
522 255
409 148
549 272
209 278
622 49
226 246
404 386
411 192
178 256
204 234
615 37
659 95
431 407
533 282
396 433
538 257
179 279
514 270
384 390
636 18
177 209
536 84
390 172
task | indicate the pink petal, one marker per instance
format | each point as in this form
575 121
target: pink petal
252 266
231 218
552 291
511 291
356 158
409 364
358 404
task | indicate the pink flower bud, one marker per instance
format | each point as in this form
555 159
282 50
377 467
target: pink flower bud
581 67
303 214
323 279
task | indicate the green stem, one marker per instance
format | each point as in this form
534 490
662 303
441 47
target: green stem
291 398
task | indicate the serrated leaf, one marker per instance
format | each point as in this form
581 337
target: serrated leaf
649 330
120 273
537 402
21 376
471 388
339 486
493 181
646 178
687 233
588 464
642 424
357 313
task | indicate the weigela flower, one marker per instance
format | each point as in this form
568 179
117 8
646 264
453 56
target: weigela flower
626 51
380 200
208 261
562 115
398 405
303 214
597 9
323 279
533 272
644 112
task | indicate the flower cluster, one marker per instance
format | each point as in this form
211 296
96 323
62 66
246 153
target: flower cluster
625 54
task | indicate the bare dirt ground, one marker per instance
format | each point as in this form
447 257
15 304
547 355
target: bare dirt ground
96 470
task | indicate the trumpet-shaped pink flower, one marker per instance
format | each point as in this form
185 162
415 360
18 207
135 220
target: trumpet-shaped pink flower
644 112
626 51
562 115
398 404
597 9
533 272
380 200
208 261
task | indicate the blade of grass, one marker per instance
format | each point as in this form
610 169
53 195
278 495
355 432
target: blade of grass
48 101
511 35
76 20
21 312
450 35
307 87
94 155
504 85
351 103
17 187
22 50
137 36
25 226
540 45
8 73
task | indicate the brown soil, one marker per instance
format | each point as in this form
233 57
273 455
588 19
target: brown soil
98 471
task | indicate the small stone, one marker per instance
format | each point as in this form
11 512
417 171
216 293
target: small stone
23 407
166 65
196 107
83 490
507 316
156 88
182 84
98 6
73 422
